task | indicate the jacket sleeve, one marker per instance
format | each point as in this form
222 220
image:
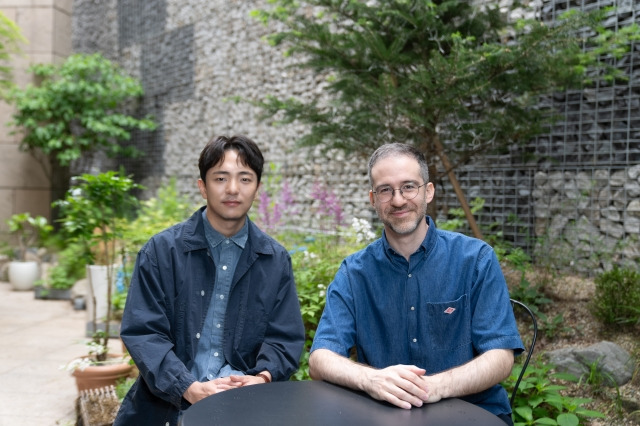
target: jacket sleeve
284 338
146 331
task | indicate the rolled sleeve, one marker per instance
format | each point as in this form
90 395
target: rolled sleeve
494 325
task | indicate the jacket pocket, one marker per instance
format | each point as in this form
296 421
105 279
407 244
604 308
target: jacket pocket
449 324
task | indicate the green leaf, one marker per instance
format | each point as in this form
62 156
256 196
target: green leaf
545 421
568 419
589 413
525 412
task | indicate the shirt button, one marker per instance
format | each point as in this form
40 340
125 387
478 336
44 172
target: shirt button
217 325
226 241
202 293
415 340
222 296
224 268
210 376
409 275
167 424
215 354
197 335
413 308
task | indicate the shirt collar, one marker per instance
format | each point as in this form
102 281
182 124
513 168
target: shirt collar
215 238
424 246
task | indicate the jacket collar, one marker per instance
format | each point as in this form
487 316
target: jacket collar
195 239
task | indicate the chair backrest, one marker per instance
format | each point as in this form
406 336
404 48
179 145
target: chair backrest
515 303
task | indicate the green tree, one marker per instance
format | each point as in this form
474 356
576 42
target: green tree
10 39
421 72
80 107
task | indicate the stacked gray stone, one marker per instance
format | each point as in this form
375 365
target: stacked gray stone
584 215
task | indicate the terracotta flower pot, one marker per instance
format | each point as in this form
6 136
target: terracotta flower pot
99 376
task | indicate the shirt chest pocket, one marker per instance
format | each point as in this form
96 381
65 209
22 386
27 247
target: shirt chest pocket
449 324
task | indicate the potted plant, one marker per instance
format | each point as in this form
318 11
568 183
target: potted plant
93 374
58 280
94 213
31 233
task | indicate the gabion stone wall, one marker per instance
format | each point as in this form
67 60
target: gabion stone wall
192 57
572 190
572 195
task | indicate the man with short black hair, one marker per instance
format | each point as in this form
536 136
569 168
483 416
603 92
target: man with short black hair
212 304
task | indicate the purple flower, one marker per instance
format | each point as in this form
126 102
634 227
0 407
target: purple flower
263 209
329 203
273 211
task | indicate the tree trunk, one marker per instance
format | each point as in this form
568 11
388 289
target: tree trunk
60 180
430 154
432 207
456 187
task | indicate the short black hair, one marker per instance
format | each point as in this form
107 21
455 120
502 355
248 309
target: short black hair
248 152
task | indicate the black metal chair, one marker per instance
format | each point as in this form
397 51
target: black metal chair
515 303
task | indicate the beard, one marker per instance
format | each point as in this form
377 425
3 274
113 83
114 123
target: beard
406 225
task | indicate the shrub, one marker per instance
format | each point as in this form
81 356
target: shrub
154 215
617 296
540 399
123 385
315 262
70 267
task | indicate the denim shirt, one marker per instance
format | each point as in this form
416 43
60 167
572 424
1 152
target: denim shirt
209 361
448 304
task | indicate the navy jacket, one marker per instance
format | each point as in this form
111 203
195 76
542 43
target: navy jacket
167 303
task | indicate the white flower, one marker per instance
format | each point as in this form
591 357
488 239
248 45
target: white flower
309 255
77 364
96 348
363 231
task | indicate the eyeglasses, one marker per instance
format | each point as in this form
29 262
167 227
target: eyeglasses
409 191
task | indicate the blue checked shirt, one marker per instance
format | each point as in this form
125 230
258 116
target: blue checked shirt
209 361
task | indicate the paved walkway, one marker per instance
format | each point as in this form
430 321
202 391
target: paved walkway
36 338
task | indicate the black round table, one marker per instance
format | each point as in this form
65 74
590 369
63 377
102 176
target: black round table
316 403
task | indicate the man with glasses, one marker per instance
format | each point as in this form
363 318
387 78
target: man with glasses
427 311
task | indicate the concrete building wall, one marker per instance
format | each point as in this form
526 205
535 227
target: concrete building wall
46 25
